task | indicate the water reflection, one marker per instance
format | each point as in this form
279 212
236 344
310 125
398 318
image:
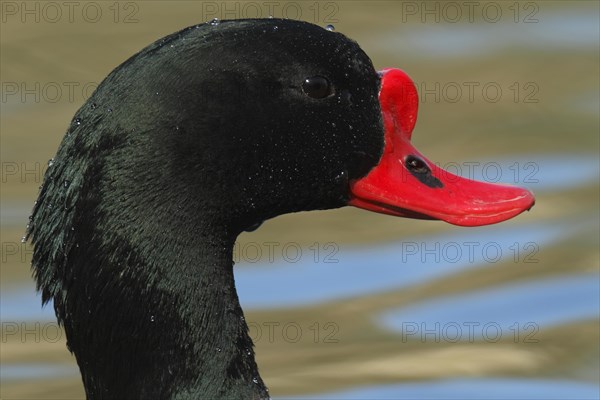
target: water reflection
467 389
12 372
524 306
25 304
356 272
567 31
391 266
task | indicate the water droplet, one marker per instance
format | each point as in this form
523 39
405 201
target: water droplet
218 349
275 28
50 162
109 110
330 28
248 352
152 318
66 183
23 239
77 121
255 380
333 124
270 17
215 21
93 106
350 127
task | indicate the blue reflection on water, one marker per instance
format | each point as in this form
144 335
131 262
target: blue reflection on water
391 266
470 389
356 271
541 302
36 371
564 31
24 304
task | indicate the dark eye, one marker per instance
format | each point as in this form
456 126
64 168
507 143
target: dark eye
317 87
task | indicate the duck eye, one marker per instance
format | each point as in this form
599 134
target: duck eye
317 87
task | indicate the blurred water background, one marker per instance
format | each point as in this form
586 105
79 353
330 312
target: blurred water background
345 303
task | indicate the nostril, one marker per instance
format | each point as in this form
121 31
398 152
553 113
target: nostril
416 165
420 170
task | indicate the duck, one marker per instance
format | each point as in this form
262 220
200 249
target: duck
200 136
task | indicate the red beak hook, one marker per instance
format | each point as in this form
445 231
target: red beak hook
407 184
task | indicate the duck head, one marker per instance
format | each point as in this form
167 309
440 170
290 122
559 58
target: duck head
201 135
297 126
247 120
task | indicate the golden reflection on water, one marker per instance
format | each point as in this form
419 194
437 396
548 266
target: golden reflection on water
549 105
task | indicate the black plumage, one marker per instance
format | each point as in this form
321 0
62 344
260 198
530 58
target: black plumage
201 135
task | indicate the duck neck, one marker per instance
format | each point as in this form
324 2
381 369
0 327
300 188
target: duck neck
166 328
